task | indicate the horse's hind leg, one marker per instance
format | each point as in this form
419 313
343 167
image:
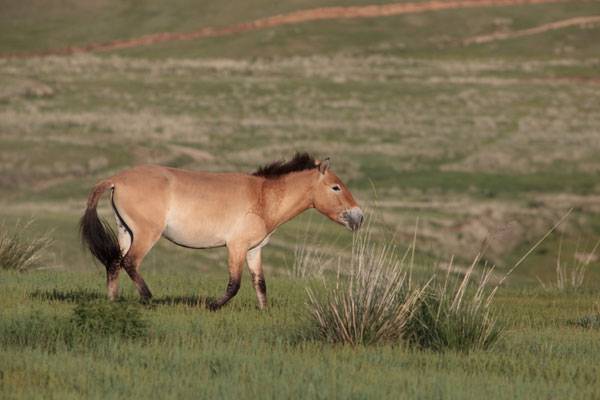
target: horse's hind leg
143 214
132 266
142 243
112 273
112 280
135 243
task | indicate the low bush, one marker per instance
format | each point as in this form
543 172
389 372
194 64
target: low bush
90 322
104 318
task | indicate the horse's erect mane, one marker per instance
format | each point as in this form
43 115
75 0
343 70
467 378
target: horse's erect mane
300 162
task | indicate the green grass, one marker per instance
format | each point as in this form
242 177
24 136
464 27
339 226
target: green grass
189 352
38 25
422 35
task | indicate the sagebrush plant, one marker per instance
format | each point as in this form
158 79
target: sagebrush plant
371 301
20 249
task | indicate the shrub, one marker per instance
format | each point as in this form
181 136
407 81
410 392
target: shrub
19 250
109 319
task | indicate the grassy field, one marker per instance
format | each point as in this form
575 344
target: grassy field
479 146
189 352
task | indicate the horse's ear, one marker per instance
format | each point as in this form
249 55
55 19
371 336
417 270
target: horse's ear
323 165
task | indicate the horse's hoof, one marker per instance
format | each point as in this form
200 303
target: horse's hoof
146 300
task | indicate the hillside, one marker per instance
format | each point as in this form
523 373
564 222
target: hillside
487 144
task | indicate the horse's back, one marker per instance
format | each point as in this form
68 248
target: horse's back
195 209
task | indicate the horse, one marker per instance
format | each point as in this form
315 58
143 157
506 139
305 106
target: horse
203 210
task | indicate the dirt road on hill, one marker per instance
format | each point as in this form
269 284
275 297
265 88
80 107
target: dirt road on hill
296 17
566 23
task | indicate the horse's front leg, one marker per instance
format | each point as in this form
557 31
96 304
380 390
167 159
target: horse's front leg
237 254
258 279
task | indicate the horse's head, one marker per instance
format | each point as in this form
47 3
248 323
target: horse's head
333 199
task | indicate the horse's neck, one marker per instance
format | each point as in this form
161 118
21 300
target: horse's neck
286 197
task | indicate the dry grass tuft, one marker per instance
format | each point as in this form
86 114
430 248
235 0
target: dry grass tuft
372 303
455 314
19 251
378 301
571 276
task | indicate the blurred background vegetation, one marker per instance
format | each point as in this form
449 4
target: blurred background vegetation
486 144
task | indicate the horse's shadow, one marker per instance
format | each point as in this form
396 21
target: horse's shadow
83 295
67 296
189 301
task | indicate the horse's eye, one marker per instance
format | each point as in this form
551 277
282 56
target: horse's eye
336 188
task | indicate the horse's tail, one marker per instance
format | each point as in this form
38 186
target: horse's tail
97 235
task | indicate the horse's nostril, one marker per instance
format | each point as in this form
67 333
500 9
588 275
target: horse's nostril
353 218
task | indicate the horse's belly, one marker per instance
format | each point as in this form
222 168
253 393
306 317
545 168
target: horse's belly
194 236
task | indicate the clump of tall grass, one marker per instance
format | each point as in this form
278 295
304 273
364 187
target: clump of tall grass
377 301
570 276
371 302
456 314
20 250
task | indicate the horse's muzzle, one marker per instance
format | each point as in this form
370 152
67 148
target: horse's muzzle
353 218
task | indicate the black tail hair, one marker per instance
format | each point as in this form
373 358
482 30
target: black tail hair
99 237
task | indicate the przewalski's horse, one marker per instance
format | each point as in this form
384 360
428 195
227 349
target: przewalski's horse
205 210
